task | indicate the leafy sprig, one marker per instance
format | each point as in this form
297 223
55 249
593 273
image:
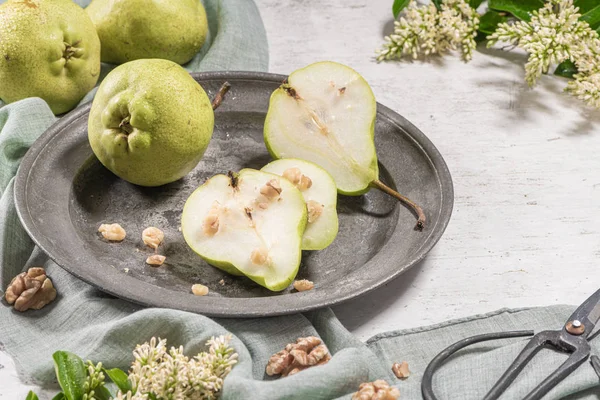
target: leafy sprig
156 374
561 33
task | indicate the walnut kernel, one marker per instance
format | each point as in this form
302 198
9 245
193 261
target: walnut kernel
271 190
401 370
31 289
259 256
211 223
305 353
377 390
156 260
153 237
112 232
294 175
315 209
303 285
199 290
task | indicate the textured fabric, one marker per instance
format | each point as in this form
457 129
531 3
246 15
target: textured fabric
99 327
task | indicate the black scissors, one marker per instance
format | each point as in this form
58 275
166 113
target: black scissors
572 338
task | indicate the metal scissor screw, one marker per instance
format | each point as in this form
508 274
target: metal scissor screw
575 327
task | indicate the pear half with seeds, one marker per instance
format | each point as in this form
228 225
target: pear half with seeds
249 224
320 194
325 114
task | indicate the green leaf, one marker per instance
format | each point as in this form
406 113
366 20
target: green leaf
566 69
152 396
592 17
519 8
475 3
585 5
438 4
119 378
398 6
102 393
31 396
60 396
71 374
489 21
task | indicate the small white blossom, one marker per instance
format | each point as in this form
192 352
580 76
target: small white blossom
93 380
423 30
170 375
554 34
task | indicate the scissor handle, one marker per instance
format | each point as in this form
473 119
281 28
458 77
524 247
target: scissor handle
580 352
427 382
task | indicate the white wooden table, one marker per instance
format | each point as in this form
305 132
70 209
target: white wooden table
525 163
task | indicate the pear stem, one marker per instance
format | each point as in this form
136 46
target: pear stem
220 95
417 209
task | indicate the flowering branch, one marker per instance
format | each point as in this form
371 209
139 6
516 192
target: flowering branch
555 34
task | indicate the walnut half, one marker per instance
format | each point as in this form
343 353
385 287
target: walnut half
31 289
305 353
377 390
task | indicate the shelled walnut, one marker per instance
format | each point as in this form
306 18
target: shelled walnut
305 353
31 289
401 370
377 390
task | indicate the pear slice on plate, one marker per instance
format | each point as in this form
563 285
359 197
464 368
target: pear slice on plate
249 224
325 114
320 194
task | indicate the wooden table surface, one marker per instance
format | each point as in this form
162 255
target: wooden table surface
525 230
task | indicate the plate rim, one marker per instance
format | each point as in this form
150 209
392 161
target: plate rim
436 231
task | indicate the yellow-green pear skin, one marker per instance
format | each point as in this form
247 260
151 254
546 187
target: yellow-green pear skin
48 49
150 122
134 29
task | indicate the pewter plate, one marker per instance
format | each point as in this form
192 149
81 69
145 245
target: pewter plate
63 194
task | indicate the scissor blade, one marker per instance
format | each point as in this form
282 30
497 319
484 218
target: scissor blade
588 313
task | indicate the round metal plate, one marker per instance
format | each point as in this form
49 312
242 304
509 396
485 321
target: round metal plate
63 194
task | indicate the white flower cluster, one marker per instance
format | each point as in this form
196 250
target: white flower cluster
93 380
423 30
553 35
170 375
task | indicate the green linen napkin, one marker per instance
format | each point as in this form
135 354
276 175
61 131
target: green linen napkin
99 327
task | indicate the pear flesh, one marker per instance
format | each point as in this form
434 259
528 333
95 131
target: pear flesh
320 194
325 114
249 224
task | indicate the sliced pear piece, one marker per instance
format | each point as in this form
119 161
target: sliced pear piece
249 224
325 114
320 194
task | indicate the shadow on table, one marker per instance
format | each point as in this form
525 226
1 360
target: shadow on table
524 101
359 311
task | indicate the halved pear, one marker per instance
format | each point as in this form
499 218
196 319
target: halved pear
249 224
325 114
320 194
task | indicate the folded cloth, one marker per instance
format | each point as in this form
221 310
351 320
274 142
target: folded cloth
99 327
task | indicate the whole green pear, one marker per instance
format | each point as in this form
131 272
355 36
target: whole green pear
150 122
48 49
134 29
